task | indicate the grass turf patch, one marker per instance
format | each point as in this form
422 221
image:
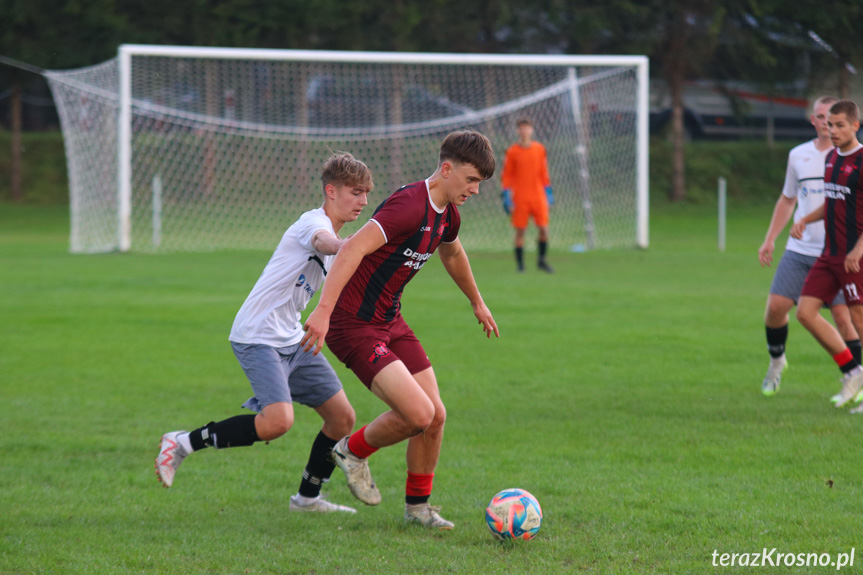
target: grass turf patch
624 393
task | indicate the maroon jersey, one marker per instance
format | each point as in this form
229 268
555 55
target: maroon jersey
843 207
413 228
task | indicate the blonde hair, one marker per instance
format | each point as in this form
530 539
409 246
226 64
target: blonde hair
823 100
344 169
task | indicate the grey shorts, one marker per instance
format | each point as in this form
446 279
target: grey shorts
285 374
791 274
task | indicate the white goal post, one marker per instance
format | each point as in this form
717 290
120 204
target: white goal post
221 148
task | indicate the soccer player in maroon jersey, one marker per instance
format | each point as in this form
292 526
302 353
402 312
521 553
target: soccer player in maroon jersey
803 188
838 268
359 315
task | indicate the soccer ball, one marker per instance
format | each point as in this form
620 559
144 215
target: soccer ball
513 514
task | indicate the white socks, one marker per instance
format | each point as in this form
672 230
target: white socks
183 440
303 500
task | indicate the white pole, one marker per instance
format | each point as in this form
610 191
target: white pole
722 210
157 211
581 156
124 153
381 57
642 167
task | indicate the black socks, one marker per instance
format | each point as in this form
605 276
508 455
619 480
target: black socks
848 366
543 248
855 347
519 255
320 466
776 338
238 431
519 258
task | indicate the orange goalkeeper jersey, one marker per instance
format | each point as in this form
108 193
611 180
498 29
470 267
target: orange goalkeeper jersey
525 171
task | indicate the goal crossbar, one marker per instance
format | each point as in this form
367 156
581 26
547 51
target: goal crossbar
381 57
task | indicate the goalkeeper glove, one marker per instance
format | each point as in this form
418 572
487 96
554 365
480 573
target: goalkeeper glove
549 195
506 198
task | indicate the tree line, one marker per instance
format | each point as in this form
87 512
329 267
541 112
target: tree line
767 42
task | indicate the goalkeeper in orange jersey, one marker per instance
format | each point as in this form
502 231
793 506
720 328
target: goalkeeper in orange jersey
527 191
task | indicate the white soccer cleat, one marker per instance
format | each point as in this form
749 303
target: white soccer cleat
771 382
851 384
427 516
171 455
319 505
357 473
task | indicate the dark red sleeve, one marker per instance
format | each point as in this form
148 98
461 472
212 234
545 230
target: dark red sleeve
400 214
451 234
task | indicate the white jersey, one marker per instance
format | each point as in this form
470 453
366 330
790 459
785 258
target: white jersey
804 181
271 313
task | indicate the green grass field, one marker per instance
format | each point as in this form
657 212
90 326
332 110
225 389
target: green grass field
624 392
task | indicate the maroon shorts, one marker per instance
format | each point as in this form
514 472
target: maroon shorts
366 348
828 276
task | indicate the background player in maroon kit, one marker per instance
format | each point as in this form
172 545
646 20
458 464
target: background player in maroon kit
359 315
839 265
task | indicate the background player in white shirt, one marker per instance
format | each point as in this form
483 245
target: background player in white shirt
804 187
265 338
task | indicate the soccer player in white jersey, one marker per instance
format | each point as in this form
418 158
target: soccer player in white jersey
804 186
265 338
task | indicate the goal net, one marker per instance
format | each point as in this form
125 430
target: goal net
173 148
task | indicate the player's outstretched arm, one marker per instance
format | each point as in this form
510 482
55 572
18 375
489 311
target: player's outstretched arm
352 252
781 216
799 227
326 243
457 265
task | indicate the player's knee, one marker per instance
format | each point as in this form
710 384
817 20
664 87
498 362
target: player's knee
420 420
804 316
775 311
275 426
419 425
439 418
801 316
343 423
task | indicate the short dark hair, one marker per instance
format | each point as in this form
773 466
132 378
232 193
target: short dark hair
847 107
524 122
469 147
344 169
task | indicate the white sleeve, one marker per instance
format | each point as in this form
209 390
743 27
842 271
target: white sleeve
789 190
308 225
